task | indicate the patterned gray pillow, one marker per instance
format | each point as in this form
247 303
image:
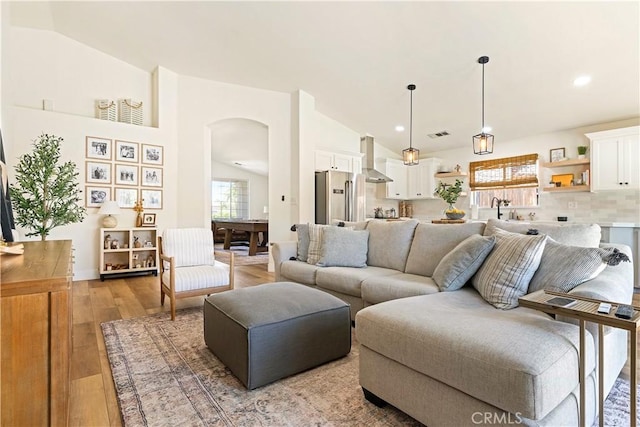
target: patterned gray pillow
564 267
303 241
457 267
505 275
342 247
315 242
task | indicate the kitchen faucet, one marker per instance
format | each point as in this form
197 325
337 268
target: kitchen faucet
499 202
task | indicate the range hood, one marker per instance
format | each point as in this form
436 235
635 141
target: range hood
368 169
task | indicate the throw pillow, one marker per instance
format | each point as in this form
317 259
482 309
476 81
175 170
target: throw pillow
342 247
303 241
505 275
315 242
457 267
564 267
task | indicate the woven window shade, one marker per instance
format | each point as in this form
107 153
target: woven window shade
518 171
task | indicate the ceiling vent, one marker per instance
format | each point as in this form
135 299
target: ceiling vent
438 134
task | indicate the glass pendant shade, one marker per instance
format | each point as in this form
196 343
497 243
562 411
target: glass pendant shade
411 156
483 143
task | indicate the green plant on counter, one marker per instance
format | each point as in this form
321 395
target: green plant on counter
449 193
582 150
46 194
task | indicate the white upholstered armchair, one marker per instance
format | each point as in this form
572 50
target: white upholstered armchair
188 267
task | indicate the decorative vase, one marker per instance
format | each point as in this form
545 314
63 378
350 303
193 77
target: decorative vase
453 213
139 220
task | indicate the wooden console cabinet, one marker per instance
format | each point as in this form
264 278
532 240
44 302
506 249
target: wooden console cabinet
35 306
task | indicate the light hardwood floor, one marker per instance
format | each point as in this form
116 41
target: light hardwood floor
93 397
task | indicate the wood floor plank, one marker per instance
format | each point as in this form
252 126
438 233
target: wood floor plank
88 402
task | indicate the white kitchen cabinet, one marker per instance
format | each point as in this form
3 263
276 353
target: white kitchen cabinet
397 171
326 160
614 159
421 180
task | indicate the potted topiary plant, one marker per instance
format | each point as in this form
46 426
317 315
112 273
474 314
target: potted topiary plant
582 150
450 193
46 194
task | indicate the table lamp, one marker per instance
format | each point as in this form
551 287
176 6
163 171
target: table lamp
109 208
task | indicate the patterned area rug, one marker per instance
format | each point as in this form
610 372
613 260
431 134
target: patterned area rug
164 374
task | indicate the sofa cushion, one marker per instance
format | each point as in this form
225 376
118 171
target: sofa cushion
457 267
432 242
303 241
587 235
505 275
389 243
315 242
347 280
343 247
564 267
378 289
521 360
299 272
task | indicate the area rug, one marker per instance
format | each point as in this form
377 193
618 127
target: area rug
242 256
165 375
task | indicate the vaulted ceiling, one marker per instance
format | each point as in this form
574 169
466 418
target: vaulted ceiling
356 58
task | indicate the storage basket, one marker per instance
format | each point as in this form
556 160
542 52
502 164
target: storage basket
130 111
106 109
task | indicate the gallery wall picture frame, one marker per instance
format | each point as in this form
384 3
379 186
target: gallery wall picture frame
148 220
98 172
151 199
126 174
126 197
96 196
127 151
151 177
556 154
98 148
152 154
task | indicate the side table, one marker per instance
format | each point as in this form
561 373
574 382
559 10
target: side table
586 310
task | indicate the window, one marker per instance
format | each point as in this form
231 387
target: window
510 178
229 199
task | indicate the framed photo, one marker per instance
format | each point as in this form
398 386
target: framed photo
151 177
151 199
148 220
98 148
126 197
152 154
126 174
96 196
98 172
556 154
127 151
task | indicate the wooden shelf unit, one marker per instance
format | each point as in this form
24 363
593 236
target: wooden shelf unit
128 260
451 175
564 163
569 189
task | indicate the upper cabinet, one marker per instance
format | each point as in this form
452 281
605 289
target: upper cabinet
326 161
614 159
409 182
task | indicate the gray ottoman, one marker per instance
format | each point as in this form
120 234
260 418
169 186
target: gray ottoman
271 331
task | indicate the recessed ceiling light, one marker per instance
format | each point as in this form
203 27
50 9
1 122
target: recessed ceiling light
582 81
399 128
486 129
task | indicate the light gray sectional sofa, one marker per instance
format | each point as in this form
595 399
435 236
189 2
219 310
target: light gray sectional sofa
446 355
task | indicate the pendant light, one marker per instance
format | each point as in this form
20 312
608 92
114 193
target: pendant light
483 142
410 155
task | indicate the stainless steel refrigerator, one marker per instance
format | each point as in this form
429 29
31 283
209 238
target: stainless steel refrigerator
340 196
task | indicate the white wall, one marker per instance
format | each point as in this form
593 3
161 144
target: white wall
258 186
71 84
203 102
